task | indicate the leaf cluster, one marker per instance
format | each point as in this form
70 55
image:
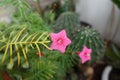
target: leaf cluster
18 42
25 43
113 55
22 6
41 70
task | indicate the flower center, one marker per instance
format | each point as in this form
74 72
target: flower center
86 54
60 41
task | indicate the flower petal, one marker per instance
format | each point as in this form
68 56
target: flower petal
85 54
53 36
55 46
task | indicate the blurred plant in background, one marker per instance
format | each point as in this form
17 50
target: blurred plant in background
117 2
113 53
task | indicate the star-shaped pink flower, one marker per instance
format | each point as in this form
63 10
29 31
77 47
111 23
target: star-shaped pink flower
59 41
85 54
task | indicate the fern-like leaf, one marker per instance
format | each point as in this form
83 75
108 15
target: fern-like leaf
42 70
20 42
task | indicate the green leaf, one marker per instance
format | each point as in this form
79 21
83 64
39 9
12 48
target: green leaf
42 70
111 54
21 5
115 50
17 43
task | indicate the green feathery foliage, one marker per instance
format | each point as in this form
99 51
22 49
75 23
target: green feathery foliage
51 56
24 43
67 21
3 26
19 42
33 21
65 62
41 70
92 39
36 23
21 6
49 17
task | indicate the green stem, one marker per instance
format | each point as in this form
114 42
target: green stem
39 8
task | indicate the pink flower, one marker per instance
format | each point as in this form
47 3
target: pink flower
85 54
60 41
